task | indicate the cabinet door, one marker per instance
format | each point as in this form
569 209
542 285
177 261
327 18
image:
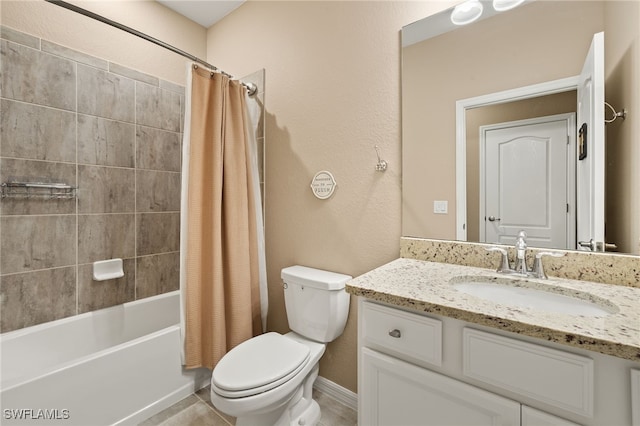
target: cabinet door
397 393
533 417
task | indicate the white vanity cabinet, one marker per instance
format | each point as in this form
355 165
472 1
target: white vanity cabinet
533 417
395 392
417 369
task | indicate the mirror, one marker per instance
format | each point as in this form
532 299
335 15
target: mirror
536 43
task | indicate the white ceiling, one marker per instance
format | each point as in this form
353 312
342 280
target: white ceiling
204 12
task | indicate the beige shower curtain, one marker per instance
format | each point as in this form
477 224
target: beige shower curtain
221 294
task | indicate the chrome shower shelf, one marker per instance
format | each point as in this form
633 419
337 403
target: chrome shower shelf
38 190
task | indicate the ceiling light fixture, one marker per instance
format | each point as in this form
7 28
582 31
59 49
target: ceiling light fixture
467 12
503 5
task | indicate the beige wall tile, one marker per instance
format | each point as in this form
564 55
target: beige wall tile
108 236
105 190
35 132
105 94
74 55
157 233
105 142
157 274
37 242
157 149
29 75
157 107
157 191
19 37
35 297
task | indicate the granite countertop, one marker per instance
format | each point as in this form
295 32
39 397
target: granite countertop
425 286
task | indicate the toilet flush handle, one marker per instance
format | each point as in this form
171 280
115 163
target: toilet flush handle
395 333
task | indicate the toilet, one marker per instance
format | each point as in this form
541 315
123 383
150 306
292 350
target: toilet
268 380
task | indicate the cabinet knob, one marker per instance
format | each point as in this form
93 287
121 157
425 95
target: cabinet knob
395 333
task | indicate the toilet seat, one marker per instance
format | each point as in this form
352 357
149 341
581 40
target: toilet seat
258 365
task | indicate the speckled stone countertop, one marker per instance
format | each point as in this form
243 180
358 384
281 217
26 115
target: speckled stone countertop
427 286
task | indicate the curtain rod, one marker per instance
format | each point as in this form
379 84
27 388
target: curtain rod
251 88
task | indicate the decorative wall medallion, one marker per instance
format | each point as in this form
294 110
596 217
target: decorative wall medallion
323 184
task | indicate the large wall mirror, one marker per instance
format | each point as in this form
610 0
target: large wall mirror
538 44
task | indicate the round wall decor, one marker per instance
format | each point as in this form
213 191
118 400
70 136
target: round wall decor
323 184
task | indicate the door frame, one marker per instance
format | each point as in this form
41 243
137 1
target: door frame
462 105
570 169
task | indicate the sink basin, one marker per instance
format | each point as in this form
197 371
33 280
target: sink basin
521 293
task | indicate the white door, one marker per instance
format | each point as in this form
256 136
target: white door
590 161
398 393
527 181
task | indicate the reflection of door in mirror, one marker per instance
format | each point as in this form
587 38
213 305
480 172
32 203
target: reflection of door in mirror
591 157
516 111
527 181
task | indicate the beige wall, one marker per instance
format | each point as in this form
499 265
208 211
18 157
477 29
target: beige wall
332 94
470 62
78 32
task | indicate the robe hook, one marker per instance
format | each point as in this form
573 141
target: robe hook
382 165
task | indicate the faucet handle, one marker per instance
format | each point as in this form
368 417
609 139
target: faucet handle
504 264
538 270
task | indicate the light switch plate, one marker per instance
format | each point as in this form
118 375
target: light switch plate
440 207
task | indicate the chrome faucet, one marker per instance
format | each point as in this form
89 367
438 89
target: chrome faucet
504 267
538 270
521 253
520 266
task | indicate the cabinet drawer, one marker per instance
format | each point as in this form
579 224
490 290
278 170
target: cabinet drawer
558 378
402 333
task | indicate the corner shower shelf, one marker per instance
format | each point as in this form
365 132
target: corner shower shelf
38 190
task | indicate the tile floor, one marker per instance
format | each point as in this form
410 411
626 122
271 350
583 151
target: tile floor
197 410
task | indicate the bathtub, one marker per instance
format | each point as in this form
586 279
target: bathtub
118 365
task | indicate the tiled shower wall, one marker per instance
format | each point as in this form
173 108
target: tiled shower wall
114 133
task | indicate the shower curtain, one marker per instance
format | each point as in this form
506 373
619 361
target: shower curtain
222 265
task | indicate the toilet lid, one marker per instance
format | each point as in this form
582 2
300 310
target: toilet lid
268 359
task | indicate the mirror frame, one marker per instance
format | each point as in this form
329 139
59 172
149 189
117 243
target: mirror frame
462 105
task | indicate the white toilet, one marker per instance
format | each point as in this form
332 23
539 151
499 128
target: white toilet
268 379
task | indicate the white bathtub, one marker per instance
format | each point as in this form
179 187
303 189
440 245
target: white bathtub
118 365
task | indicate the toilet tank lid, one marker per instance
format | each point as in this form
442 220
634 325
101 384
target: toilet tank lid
316 278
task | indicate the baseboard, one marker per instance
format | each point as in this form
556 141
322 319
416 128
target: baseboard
337 392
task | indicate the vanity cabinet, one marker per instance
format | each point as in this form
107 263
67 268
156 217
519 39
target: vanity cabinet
395 392
484 377
533 417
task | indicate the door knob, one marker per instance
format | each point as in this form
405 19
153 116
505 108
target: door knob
493 218
591 245
595 246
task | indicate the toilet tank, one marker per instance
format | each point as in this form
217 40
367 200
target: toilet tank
316 302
